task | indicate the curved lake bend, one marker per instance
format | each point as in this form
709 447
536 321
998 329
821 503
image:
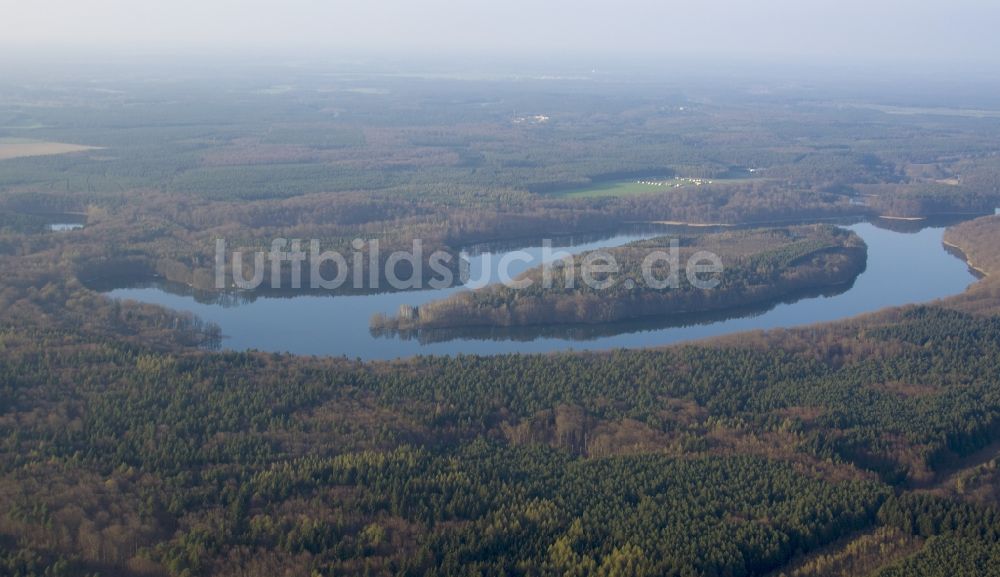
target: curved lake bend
903 267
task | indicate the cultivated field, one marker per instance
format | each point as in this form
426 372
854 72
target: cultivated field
621 188
19 148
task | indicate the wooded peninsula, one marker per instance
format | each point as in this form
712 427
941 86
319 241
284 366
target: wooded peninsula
757 266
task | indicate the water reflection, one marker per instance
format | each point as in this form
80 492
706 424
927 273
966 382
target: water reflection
913 226
590 332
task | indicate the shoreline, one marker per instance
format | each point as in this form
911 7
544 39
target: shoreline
965 256
905 218
692 224
749 223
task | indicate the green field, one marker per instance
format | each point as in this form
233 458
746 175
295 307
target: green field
619 188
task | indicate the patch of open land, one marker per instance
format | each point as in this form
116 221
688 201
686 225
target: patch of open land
931 110
19 148
620 188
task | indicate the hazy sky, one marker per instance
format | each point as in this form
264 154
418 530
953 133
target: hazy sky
880 31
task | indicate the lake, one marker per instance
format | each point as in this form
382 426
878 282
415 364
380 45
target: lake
906 265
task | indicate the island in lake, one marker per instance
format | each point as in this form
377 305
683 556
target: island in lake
758 265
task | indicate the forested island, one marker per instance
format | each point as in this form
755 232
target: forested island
757 265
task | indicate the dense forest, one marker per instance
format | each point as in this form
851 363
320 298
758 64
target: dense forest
131 445
122 458
755 266
173 167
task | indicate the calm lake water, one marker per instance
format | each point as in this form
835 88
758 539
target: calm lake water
903 267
